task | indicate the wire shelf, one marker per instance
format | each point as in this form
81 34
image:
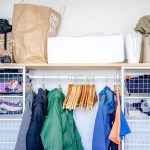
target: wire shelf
133 146
138 138
141 126
9 130
7 146
12 97
137 107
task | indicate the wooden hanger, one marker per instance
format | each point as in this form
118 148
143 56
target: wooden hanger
87 96
67 96
94 97
74 101
83 96
78 95
72 96
91 94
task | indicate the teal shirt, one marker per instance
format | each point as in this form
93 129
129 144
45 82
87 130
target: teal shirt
59 131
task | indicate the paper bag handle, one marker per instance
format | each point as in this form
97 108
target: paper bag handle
62 10
22 1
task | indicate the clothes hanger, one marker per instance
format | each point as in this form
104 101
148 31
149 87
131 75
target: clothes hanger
67 96
106 81
83 97
70 88
117 91
31 86
72 99
43 84
59 84
95 98
93 95
82 88
87 94
83 92
116 85
78 94
72 96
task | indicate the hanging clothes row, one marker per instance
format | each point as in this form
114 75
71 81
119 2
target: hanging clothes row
110 123
48 122
46 125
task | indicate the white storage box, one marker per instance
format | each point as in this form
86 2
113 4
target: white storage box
89 49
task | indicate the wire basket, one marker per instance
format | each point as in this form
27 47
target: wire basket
138 84
11 83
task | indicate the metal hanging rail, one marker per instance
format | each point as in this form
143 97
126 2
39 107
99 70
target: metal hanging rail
74 77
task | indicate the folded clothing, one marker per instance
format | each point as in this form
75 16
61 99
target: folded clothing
5 112
140 84
13 86
8 106
143 106
18 104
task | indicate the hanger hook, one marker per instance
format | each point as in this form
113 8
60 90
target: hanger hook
114 79
78 79
93 79
43 78
107 80
58 78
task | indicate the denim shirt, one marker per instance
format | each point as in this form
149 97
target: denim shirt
104 120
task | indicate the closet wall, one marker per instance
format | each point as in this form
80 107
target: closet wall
91 16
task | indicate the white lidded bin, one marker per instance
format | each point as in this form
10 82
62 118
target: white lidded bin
86 49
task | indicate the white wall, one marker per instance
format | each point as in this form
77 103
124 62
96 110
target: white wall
91 16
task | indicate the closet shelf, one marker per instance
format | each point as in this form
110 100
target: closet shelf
11 96
137 144
140 97
75 65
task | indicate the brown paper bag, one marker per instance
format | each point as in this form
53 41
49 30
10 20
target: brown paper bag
146 42
30 29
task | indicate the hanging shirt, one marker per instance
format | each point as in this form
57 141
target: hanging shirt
104 121
120 127
115 132
59 131
21 140
39 111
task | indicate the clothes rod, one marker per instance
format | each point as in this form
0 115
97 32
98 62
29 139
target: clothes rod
70 77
